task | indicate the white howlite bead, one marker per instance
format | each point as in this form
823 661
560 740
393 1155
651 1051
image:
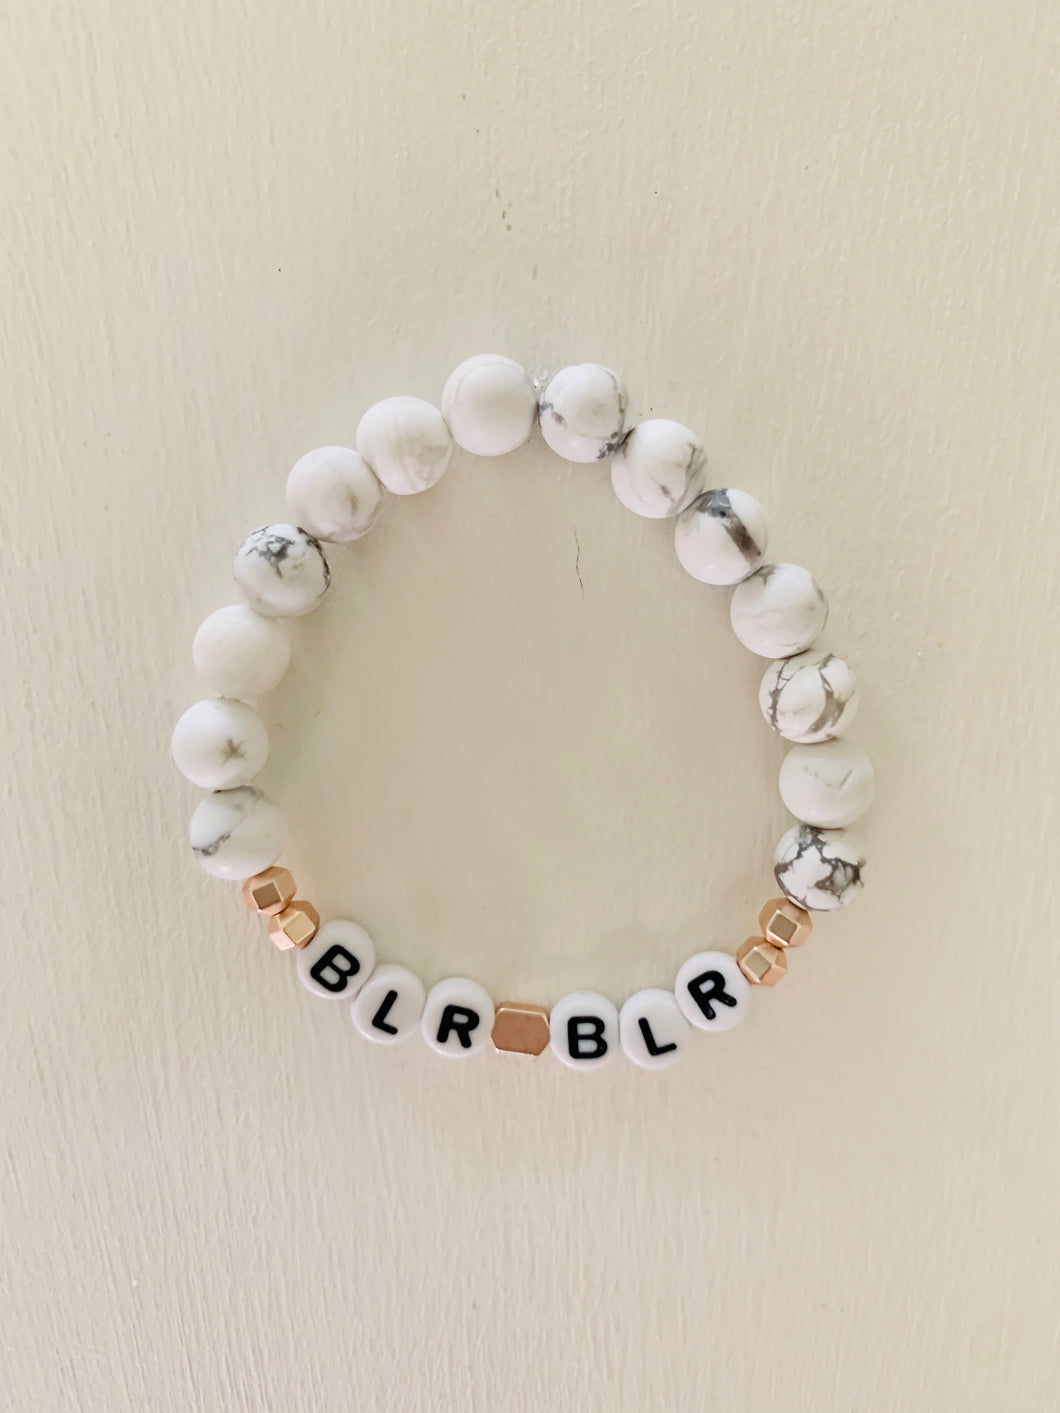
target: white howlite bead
220 744
583 1030
583 412
809 697
332 492
389 1005
658 469
337 962
652 1029
458 1017
830 784
721 537
490 404
406 443
282 571
778 611
820 869
236 833
712 991
239 654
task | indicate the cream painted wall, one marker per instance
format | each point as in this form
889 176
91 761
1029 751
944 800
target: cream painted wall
826 237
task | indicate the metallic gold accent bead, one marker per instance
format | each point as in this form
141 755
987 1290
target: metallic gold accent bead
295 926
761 962
784 923
269 892
523 1030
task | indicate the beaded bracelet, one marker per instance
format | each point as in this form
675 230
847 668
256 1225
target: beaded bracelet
808 696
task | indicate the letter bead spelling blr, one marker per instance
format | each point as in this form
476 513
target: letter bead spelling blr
658 469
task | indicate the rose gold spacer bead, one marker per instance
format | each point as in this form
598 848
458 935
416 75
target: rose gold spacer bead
761 962
784 923
520 1029
295 926
269 892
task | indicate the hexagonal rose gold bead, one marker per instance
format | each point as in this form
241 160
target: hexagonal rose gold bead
521 1029
784 923
295 926
761 962
269 892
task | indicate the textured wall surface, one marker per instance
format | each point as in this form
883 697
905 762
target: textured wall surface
519 741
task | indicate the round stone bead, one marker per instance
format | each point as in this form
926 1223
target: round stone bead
333 493
583 1030
458 1017
282 571
583 412
712 991
829 784
658 469
219 744
236 833
490 404
809 697
820 869
721 537
389 1005
652 1029
338 961
778 611
406 443
239 654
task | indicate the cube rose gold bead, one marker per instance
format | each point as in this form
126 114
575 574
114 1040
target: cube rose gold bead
295 926
520 1029
784 923
269 892
761 962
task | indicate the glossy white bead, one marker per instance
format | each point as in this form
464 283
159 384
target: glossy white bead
712 991
332 492
652 1029
220 744
658 469
721 537
458 1017
583 412
490 404
389 1005
583 1030
236 833
338 961
778 611
820 869
406 443
829 784
809 697
282 571
239 654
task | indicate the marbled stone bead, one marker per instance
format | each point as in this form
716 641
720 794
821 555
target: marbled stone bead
721 537
829 784
809 697
490 404
652 1029
219 744
820 869
239 654
236 833
658 469
778 611
406 443
282 571
332 492
389 1005
583 412
583 1029
457 1017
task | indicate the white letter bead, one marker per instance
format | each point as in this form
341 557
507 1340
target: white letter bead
458 1017
389 1005
236 833
406 443
490 404
337 962
282 571
239 654
219 744
658 469
712 991
583 1030
721 537
809 697
583 412
333 493
820 869
829 784
652 1029
778 611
